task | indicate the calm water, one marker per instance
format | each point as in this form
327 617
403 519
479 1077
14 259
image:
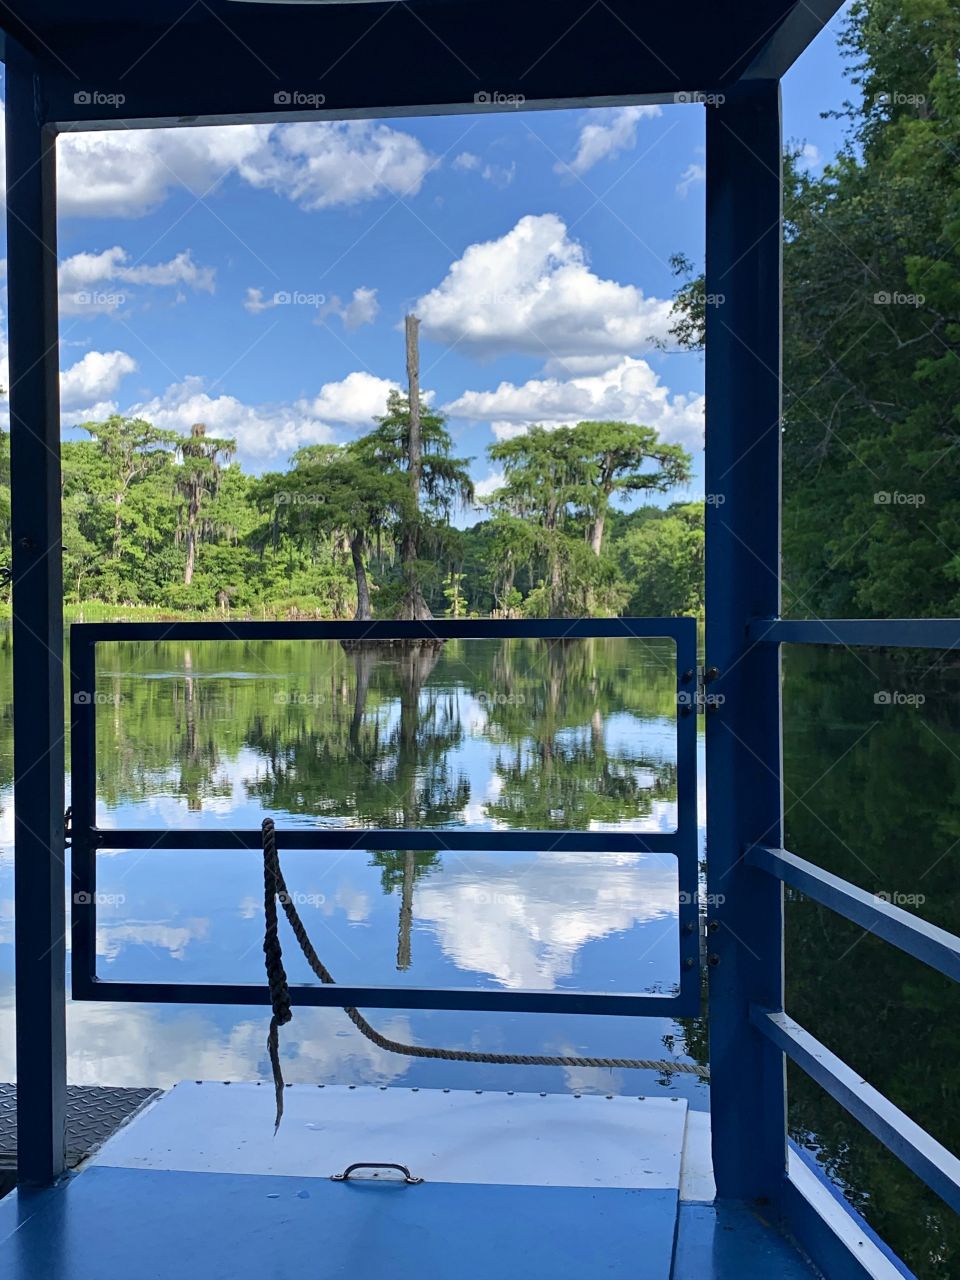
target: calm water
491 734
508 735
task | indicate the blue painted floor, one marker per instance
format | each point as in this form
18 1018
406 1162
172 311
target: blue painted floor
122 1224
731 1242
136 1224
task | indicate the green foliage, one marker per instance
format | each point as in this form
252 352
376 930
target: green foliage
871 359
662 559
554 505
157 521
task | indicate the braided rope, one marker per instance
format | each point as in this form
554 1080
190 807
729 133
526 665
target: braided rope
275 890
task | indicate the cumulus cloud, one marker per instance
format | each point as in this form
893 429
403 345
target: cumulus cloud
265 430
354 401
126 173
93 378
532 291
87 280
604 134
338 163
631 391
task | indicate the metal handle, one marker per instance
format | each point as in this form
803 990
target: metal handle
367 1164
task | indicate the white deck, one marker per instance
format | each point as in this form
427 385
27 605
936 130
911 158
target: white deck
514 1139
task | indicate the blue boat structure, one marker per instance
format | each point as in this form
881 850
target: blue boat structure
418 1184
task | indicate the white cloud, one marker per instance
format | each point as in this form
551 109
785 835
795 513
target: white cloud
363 308
809 157
355 401
525 925
266 430
492 481
93 378
255 302
605 134
83 275
630 392
338 163
258 429
125 173
532 291
500 175
692 176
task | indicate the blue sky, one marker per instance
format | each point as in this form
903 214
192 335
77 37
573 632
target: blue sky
256 278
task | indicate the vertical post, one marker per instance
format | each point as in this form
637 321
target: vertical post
744 789
38 713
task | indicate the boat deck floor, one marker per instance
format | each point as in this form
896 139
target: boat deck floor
519 1185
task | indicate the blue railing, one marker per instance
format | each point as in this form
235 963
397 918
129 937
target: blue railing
87 838
917 1149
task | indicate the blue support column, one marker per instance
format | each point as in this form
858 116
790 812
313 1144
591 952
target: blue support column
38 724
744 794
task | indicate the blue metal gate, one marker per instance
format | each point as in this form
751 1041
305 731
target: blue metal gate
87 838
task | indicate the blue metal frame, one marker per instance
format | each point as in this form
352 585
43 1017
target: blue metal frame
917 1149
87 838
873 633
744 794
921 1153
38 721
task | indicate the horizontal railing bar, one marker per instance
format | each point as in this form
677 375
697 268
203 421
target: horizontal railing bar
363 997
439 629
879 633
921 1153
934 946
458 841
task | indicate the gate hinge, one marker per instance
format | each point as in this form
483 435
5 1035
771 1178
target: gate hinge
707 701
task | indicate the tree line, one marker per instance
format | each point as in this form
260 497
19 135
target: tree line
156 519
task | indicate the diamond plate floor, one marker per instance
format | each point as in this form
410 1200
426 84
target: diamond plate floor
93 1114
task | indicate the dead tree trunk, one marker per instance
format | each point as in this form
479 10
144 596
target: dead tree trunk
413 605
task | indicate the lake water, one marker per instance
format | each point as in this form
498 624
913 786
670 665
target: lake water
495 734
508 735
